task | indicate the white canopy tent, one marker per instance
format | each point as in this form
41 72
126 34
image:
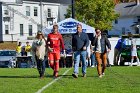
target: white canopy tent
68 26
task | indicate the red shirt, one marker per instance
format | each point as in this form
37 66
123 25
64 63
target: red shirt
55 42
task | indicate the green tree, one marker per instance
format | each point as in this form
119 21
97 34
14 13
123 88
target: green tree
96 13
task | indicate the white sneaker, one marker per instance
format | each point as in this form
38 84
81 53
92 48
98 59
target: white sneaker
103 74
92 66
100 76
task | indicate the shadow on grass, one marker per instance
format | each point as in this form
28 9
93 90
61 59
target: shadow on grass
35 76
18 76
66 76
46 76
80 76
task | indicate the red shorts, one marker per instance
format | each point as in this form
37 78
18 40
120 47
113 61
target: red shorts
53 56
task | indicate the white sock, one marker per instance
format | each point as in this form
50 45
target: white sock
86 62
138 60
89 62
132 61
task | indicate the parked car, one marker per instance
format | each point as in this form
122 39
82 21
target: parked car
7 58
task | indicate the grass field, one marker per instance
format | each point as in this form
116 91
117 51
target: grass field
116 80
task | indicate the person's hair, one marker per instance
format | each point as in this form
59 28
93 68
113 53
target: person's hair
39 33
97 29
55 26
19 43
79 25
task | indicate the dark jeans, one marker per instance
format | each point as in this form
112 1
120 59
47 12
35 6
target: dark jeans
40 66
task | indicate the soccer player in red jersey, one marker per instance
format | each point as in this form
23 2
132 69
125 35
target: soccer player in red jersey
54 44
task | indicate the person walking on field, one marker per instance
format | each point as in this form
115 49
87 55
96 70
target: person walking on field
54 44
100 42
80 42
39 52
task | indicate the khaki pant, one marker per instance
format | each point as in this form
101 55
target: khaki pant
116 56
102 62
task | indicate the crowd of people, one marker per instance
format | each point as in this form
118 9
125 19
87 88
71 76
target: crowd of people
91 53
23 50
80 42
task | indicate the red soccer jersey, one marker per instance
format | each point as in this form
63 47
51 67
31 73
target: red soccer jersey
55 42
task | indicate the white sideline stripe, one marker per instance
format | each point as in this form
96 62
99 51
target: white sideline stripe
53 81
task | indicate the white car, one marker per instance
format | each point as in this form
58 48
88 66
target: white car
7 58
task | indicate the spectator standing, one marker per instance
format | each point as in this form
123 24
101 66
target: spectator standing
93 61
28 48
89 54
19 49
134 52
117 50
28 51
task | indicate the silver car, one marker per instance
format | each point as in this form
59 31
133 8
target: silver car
7 58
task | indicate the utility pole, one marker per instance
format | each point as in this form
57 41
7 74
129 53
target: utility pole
73 9
41 24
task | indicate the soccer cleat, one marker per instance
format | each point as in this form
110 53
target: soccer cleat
75 75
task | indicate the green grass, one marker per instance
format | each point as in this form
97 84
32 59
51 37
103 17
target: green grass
116 80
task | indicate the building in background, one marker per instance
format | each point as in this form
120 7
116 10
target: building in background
129 19
21 19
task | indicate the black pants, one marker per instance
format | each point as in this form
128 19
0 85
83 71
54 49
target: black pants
40 66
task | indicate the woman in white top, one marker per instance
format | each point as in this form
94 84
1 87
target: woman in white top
133 51
39 52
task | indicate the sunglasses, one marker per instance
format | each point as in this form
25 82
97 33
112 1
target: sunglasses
97 32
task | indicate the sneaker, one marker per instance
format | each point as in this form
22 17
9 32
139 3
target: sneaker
75 75
42 76
84 75
100 76
54 77
103 74
92 66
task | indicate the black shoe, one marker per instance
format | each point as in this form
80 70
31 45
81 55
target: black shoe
75 75
42 76
84 75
